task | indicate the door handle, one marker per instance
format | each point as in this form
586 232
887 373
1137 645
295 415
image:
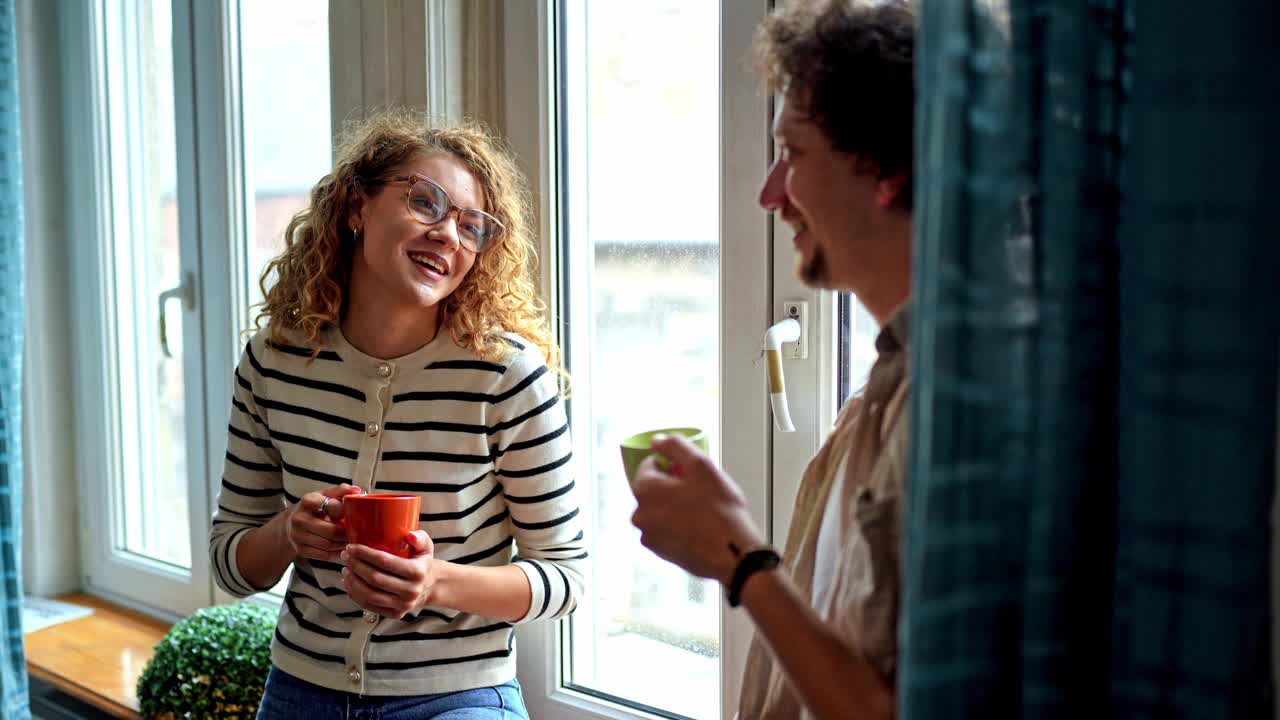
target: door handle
786 331
186 292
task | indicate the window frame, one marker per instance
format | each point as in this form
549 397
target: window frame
224 214
93 120
214 216
769 474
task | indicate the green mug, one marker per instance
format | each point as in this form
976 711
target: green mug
640 446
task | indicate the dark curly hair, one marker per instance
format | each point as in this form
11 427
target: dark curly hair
851 62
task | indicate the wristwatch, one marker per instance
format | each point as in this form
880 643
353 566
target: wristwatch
761 557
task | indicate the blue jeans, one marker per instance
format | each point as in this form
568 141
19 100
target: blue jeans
286 697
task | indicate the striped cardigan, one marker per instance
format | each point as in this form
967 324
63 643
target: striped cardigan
486 445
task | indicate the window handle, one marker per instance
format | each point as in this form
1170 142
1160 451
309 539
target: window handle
185 292
785 331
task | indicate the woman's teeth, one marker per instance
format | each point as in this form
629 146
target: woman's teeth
426 261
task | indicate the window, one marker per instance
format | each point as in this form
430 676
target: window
660 263
286 136
640 145
141 423
149 373
649 140
287 147
857 344
179 220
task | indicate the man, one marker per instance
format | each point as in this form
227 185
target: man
826 622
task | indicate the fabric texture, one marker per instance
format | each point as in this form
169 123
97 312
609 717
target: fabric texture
13 669
867 450
485 445
286 697
1095 361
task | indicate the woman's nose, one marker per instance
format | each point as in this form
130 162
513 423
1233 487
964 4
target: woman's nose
446 230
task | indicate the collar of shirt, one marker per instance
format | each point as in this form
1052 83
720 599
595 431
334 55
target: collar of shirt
896 334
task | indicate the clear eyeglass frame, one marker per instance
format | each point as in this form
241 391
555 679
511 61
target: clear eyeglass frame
475 241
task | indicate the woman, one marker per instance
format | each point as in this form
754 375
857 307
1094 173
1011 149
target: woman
404 351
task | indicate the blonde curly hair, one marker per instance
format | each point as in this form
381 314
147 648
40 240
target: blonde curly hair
313 272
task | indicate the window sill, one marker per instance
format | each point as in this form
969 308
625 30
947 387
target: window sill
96 659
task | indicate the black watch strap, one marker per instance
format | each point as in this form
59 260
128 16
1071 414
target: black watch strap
753 561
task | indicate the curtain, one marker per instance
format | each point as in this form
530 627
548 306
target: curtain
13 669
1097 283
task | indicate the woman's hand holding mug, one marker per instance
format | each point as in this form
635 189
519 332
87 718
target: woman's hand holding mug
313 528
390 585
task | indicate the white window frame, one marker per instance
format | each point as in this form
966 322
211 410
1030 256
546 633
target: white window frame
94 132
755 252
211 221
225 212
214 214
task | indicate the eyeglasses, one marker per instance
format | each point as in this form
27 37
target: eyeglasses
429 204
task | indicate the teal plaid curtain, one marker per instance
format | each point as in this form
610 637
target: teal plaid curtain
13 669
1095 378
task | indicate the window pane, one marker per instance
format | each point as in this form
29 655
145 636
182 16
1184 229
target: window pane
285 71
287 135
858 332
153 519
646 136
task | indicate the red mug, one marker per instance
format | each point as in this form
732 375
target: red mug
381 521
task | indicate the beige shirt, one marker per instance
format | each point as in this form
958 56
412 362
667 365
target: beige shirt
857 591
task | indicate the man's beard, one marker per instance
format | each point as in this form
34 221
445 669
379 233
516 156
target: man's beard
813 272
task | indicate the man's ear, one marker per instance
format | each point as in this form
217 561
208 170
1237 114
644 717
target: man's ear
889 189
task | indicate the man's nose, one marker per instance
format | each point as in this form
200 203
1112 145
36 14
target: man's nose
773 194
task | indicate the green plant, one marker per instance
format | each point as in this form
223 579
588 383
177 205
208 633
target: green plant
212 664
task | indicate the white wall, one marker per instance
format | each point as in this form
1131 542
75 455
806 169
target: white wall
51 532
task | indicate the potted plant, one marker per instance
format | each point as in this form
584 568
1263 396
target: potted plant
212 664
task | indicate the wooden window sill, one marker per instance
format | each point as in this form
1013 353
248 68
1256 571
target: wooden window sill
96 659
